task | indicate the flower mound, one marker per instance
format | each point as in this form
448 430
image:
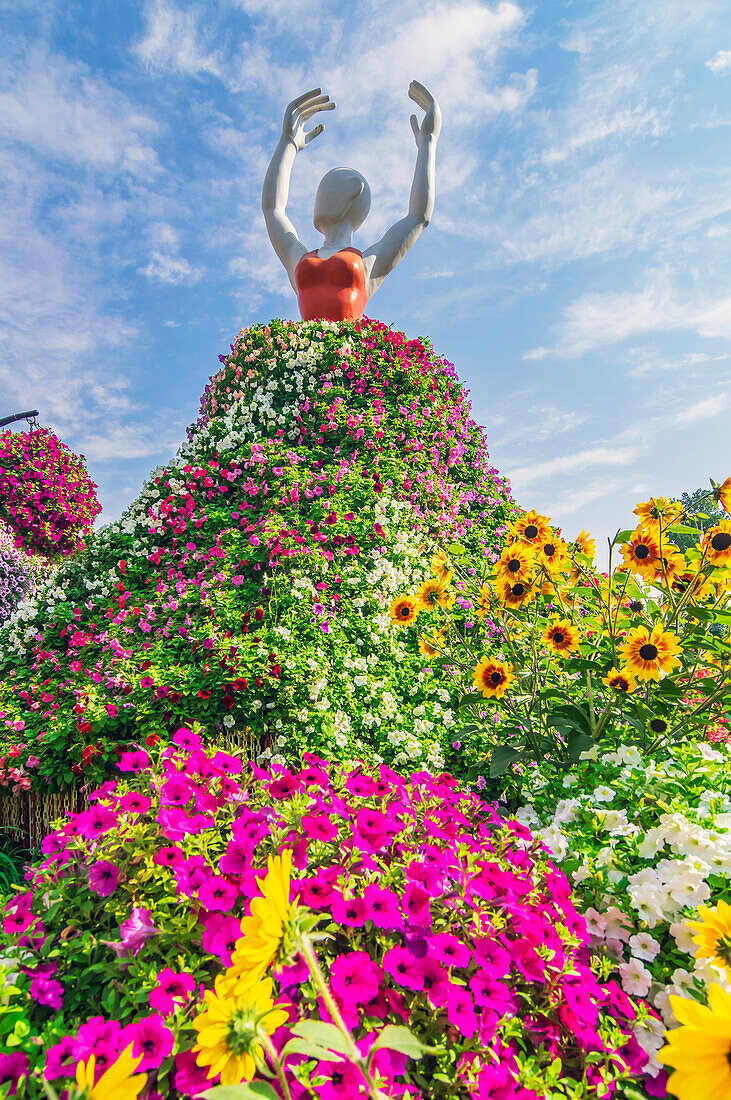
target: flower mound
249 585
439 915
46 497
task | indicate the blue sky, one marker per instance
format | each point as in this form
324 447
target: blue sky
576 271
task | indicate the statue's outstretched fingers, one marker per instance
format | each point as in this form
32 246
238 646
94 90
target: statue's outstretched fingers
420 95
308 112
313 133
415 127
305 95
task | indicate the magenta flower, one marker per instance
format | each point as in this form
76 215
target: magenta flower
351 912
47 991
59 1060
342 1081
190 1078
103 878
404 968
13 1067
461 1011
99 1037
133 803
173 986
95 822
415 905
151 1038
175 824
218 894
317 893
220 933
136 930
382 907
450 951
355 977
168 857
319 827
135 761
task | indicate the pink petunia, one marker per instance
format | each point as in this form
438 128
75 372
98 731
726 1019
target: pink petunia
172 986
103 878
404 968
355 977
151 1038
218 894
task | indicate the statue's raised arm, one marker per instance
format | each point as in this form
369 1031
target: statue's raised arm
335 281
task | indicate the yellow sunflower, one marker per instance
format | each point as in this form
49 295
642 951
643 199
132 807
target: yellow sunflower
642 553
530 527
431 645
442 567
649 653
551 553
434 593
404 610
714 934
699 1050
514 594
717 543
660 509
267 929
116 1083
585 544
492 677
483 607
619 681
669 567
723 494
561 636
230 1028
516 562
700 586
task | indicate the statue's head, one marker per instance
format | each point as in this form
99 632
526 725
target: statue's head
343 195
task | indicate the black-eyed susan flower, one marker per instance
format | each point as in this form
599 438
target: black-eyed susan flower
432 644
699 1049
530 527
717 544
442 567
660 510
516 562
649 653
670 565
551 553
485 603
116 1083
642 553
493 677
620 681
434 593
266 934
713 934
404 610
561 636
237 1015
514 594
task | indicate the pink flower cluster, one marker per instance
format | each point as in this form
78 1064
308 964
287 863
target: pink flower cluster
46 496
441 916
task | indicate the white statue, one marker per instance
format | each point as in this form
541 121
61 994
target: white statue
336 280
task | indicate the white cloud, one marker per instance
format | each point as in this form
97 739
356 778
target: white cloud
173 41
165 264
704 409
575 463
720 62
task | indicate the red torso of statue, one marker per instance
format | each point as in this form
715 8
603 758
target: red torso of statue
333 289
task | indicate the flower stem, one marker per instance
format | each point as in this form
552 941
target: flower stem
277 1063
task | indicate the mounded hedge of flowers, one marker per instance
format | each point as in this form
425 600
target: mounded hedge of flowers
248 586
434 913
46 496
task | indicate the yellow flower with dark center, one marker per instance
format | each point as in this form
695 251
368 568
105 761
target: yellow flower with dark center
431 645
700 586
516 562
713 934
669 567
404 610
700 1050
231 1027
642 553
514 594
116 1083
551 553
264 934
661 509
530 527
723 494
434 593
619 681
585 544
717 543
561 636
483 607
442 567
649 653
493 677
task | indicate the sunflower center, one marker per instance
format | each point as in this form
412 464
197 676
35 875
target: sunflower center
558 636
514 565
496 677
404 611
721 541
642 552
658 725
518 589
549 550
531 531
648 652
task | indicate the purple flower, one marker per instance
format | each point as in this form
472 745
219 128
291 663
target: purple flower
59 1060
172 986
355 977
352 912
218 894
103 878
382 907
151 1038
404 968
12 1068
47 991
135 930
220 935
135 761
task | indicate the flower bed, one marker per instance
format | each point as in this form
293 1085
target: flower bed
248 586
46 497
439 916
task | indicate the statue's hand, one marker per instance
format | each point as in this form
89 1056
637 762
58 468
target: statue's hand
299 111
431 123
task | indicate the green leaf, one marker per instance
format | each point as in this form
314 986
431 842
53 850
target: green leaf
502 757
312 1050
578 742
254 1090
569 716
326 1035
622 537
396 1037
471 698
